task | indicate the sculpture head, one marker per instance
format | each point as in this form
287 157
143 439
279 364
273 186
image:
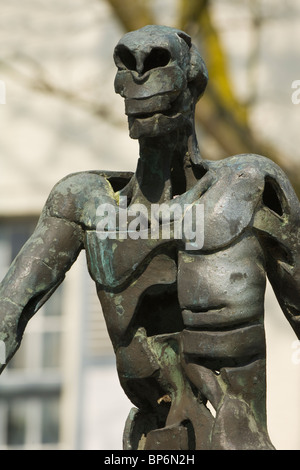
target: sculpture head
161 75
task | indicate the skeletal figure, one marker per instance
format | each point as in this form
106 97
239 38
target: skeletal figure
186 324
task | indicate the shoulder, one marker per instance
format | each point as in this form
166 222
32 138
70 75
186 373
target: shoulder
250 166
277 208
262 178
77 196
245 185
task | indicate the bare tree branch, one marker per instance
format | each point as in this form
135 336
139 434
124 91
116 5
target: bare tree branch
132 14
40 83
220 112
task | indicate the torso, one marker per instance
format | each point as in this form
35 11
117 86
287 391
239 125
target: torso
220 285
187 325
210 301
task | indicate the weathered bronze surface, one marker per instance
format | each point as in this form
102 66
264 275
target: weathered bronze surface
186 321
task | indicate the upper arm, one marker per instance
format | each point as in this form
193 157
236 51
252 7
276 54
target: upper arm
57 239
49 253
284 276
277 222
52 248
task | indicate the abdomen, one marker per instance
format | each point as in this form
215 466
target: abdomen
221 295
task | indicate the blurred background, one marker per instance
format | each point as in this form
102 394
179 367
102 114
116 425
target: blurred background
61 116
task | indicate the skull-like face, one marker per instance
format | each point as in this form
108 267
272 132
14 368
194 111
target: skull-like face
160 75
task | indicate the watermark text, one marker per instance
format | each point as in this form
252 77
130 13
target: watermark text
2 352
162 221
296 352
296 93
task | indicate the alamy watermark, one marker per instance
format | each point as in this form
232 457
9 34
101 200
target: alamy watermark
2 352
296 93
2 92
296 353
162 221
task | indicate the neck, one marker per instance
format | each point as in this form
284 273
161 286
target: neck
165 166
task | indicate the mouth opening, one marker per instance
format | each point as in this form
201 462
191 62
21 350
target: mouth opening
144 115
168 113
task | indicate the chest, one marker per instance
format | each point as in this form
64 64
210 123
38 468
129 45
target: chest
143 283
230 276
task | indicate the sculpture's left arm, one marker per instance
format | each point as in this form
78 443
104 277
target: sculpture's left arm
277 222
50 252
284 276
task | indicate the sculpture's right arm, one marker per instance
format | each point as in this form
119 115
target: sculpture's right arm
35 273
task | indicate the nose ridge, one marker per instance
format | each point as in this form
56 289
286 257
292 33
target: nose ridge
140 58
138 74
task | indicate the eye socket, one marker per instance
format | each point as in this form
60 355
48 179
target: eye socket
158 57
123 55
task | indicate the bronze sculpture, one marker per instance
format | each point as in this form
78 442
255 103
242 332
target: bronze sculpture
185 319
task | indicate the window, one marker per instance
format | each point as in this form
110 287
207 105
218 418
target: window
30 422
